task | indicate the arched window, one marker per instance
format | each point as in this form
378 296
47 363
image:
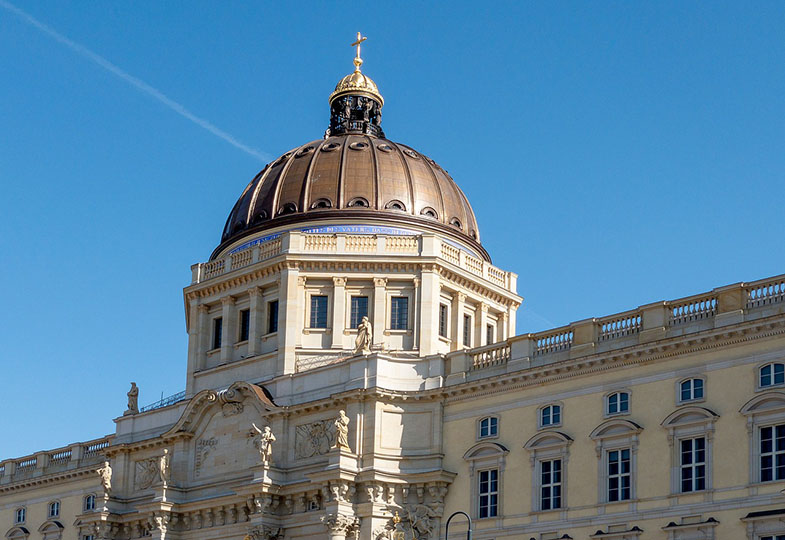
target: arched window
288 208
691 390
429 212
550 415
488 427
358 202
617 403
20 514
89 503
321 203
395 205
455 222
54 509
772 375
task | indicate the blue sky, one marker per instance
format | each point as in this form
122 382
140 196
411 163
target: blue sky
615 153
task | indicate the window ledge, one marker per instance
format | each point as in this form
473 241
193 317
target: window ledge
397 332
212 352
759 388
270 335
307 331
240 343
448 341
617 414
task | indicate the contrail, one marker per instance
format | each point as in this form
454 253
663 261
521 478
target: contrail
133 81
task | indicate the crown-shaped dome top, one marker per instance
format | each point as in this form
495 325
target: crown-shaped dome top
357 84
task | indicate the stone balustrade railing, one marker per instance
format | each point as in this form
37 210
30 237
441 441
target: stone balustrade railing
298 242
53 461
717 308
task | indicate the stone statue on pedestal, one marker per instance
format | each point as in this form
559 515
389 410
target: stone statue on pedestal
133 400
364 337
164 468
105 473
265 443
342 431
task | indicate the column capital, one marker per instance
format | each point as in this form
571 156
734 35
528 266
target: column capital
227 300
301 280
339 281
255 291
484 307
203 308
460 296
416 281
379 282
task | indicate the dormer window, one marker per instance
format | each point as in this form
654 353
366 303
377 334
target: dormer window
772 375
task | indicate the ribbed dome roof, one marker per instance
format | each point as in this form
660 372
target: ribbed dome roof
354 178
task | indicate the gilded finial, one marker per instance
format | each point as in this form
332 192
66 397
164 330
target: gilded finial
357 60
396 518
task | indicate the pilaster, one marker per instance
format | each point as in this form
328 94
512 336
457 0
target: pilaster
481 325
255 322
379 312
194 341
228 329
429 307
458 301
339 311
289 327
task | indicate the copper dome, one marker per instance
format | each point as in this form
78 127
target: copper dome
353 177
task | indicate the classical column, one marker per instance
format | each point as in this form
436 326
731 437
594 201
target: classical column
228 328
255 321
339 526
289 327
339 311
194 339
204 337
429 307
501 327
458 300
379 318
482 324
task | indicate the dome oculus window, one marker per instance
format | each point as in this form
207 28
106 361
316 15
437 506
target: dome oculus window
411 153
395 205
358 202
772 375
385 148
288 208
321 203
305 151
455 222
329 147
358 146
429 212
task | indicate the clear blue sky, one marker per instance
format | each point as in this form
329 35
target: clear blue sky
615 154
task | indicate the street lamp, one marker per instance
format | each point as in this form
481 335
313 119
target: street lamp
447 527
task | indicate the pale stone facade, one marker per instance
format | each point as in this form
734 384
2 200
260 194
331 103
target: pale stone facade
663 422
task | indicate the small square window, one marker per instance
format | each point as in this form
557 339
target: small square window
550 415
359 309
772 375
245 324
318 311
399 313
443 320
489 427
618 403
272 317
218 325
691 390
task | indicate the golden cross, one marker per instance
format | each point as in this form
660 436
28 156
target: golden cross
358 61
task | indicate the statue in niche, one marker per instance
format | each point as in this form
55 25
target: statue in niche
133 399
367 105
164 468
342 431
364 337
347 109
264 443
105 473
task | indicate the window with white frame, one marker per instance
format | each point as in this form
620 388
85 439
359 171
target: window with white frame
550 415
693 464
54 509
772 375
773 537
467 330
399 313
218 324
89 503
488 427
550 484
549 453
766 428
358 310
19 515
691 435
691 390
616 442
617 403
486 469
488 493
245 325
490 334
443 318
619 475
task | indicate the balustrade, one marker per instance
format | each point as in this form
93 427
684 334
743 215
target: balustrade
621 325
692 310
765 292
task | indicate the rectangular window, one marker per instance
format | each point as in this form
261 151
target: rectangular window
467 330
218 328
693 464
489 427
399 313
619 475
778 537
488 491
550 484
489 334
245 324
359 309
443 320
618 402
272 317
20 515
318 311
88 537
772 453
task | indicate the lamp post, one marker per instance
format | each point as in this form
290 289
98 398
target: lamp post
449 519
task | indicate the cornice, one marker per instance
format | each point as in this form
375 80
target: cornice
72 474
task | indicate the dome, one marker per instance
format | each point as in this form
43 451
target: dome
353 178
